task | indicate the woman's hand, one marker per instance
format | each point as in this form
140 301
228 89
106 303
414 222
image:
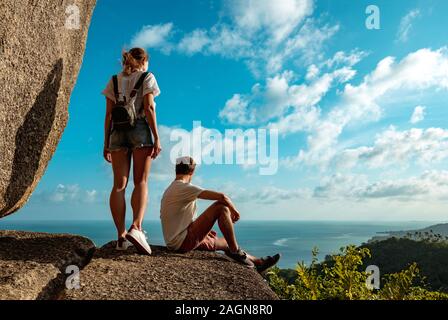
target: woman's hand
107 156
156 149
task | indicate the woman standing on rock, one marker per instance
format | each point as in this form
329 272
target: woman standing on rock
130 120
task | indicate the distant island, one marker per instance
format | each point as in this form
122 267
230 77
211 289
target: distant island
439 231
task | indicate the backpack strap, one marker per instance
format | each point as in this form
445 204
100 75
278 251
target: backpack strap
139 83
115 85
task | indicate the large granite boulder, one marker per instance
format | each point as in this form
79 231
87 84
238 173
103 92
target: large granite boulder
113 275
34 265
41 50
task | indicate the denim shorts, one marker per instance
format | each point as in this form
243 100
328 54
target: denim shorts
137 137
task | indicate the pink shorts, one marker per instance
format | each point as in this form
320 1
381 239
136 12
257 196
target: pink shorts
198 239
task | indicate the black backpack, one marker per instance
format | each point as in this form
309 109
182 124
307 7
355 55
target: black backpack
124 115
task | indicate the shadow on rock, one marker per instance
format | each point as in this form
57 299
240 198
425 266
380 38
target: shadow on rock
58 250
31 138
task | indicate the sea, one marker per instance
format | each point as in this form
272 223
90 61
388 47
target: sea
294 240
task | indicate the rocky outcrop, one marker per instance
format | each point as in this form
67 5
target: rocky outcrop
166 275
41 50
33 265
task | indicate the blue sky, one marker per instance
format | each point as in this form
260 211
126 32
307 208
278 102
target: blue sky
361 113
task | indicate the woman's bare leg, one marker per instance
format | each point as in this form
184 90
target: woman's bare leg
121 163
139 198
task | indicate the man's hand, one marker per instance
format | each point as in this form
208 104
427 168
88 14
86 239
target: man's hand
235 215
233 211
212 234
222 198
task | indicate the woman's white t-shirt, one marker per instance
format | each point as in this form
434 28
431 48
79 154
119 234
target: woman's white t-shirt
177 211
127 83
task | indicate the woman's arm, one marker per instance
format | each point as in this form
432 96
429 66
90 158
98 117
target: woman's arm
107 127
150 113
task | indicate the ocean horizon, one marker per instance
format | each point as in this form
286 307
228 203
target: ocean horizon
293 239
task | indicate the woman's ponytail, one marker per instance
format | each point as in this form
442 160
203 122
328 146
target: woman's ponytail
133 60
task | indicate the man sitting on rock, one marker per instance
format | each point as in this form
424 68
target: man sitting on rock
182 233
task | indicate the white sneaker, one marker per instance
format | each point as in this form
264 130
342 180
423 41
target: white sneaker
138 239
123 244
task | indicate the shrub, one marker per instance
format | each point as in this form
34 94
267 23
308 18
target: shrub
341 278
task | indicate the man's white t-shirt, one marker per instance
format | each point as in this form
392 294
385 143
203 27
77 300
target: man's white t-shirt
177 211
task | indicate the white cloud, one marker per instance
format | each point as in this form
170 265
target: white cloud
429 185
228 43
279 99
406 25
194 42
340 186
265 195
67 193
392 147
345 59
418 71
307 44
154 36
277 18
209 146
236 111
264 34
312 72
418 114
162 169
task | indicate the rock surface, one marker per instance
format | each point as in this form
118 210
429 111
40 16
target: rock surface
165 275
39 62
32 265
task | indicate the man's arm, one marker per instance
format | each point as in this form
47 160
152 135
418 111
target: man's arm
221 197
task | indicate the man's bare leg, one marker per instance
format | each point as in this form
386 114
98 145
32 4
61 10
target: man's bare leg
205 222
225 224
221 244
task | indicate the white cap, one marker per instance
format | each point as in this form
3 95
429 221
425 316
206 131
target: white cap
183 160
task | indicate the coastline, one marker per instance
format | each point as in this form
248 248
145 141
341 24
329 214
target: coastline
293 239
